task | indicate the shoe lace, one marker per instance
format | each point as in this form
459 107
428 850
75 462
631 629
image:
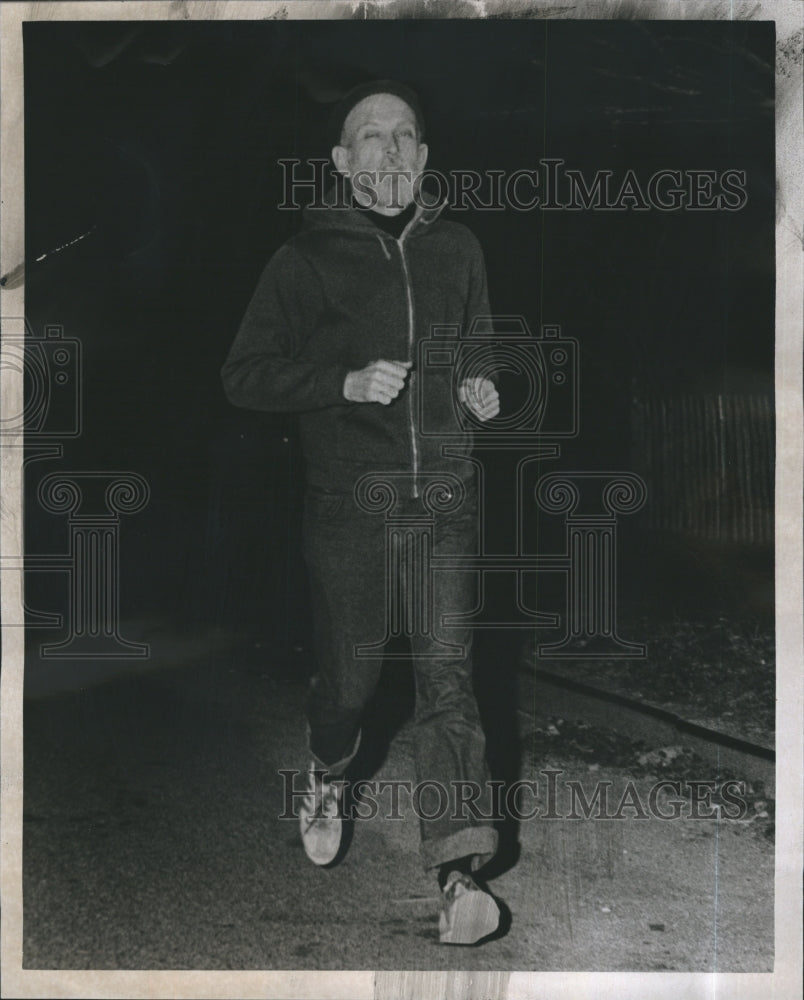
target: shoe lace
457 885
326 797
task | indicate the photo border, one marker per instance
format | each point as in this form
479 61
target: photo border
785 981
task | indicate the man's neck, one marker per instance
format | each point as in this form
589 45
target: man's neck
366 203
394 224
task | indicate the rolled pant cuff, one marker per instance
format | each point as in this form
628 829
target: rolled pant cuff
478 841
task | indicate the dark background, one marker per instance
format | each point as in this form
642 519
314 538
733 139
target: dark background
162 141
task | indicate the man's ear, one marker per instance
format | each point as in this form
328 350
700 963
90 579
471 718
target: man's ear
421 156
340 157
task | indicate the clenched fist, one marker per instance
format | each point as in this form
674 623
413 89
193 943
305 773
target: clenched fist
379 382
480 396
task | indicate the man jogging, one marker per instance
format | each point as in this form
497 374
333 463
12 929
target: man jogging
333 332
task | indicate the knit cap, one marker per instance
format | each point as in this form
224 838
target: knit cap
357 94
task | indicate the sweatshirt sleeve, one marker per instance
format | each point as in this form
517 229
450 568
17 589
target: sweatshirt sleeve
264 369
477 303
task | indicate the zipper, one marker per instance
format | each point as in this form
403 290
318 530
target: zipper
414 448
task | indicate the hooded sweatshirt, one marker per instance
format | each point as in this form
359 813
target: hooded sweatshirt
342 294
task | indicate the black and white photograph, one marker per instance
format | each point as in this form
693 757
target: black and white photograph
401 553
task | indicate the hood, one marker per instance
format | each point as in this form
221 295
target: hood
335 214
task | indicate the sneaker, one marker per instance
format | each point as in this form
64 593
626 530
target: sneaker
321 817
469 913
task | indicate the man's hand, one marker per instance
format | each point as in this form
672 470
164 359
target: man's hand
379 382
480 396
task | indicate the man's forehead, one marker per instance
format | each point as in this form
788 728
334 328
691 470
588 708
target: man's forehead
379 106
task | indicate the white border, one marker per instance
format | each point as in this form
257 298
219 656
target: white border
786 980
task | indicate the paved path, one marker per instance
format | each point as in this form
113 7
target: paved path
152 841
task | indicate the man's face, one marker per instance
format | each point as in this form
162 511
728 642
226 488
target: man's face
381 152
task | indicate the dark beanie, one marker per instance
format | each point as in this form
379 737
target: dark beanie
341 110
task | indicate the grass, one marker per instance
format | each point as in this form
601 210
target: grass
719 673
